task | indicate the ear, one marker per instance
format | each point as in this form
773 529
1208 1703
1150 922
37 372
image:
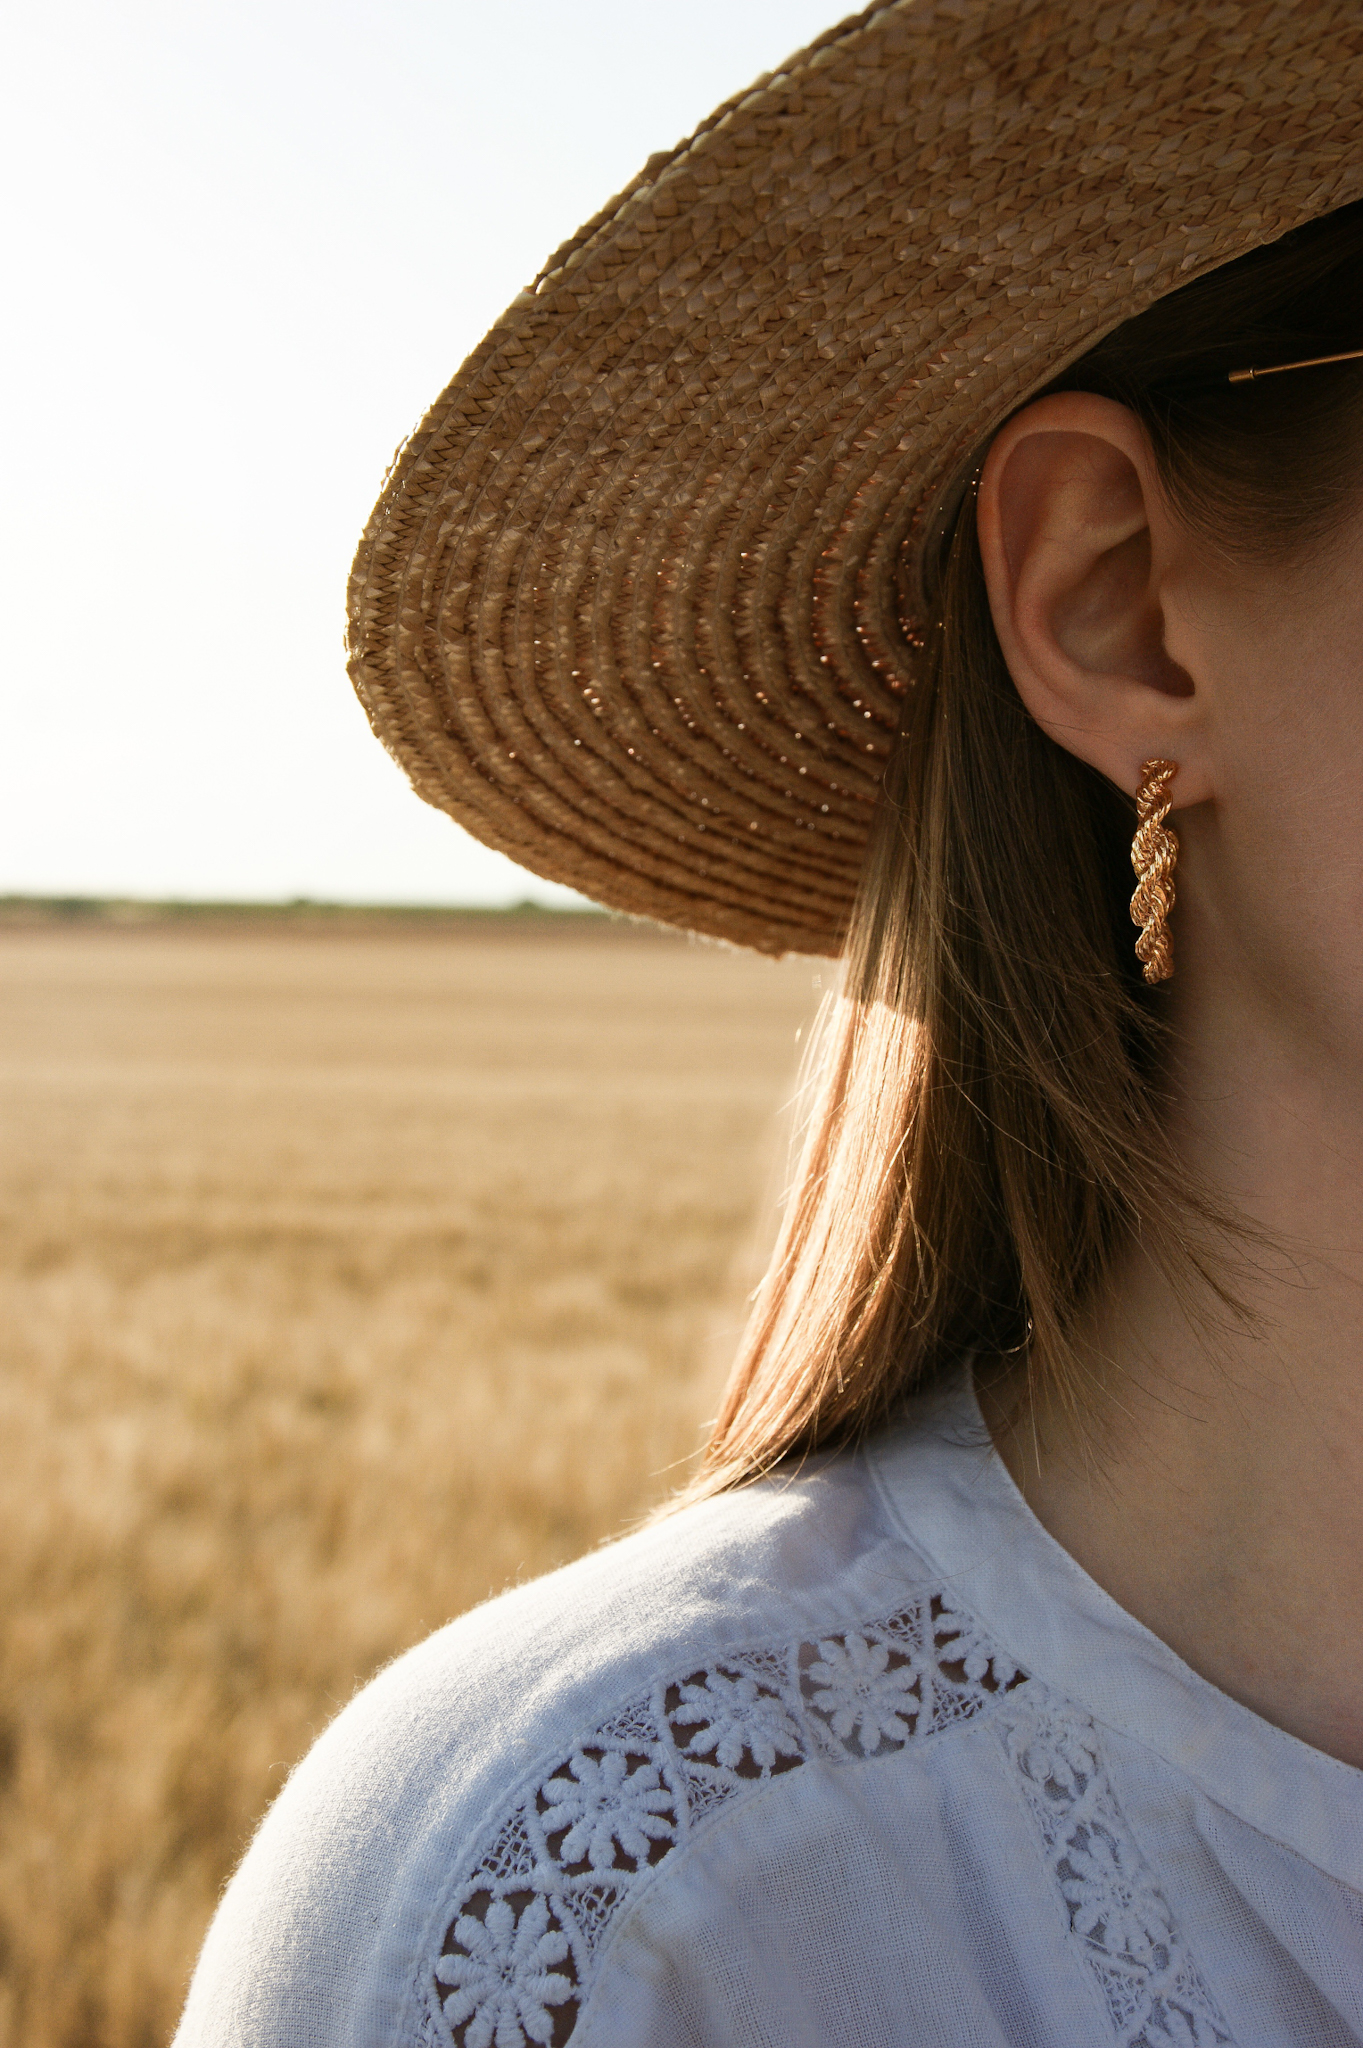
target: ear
1080 553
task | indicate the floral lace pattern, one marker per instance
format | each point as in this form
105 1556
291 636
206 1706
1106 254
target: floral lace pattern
1154 1991
528 1922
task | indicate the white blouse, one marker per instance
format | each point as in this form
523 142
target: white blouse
860 1759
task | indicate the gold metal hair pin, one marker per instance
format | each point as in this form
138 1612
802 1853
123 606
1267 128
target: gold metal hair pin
1350 355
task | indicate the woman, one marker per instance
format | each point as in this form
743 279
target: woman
850 524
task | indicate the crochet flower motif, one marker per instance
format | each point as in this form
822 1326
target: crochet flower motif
1056 1757
504 1981
959 1642
861 1694
600 1803
738 1717
1110 1904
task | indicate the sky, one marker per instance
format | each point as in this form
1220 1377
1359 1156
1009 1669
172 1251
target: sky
248 241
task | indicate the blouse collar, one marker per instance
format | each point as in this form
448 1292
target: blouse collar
951 1494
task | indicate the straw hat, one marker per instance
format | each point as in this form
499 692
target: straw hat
635 603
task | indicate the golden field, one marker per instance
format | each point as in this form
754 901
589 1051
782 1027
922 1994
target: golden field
349 1272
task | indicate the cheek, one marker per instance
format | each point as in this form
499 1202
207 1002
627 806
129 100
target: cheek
1289 697
1285 852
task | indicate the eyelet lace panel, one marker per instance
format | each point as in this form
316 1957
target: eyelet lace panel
1155 1992
529 1921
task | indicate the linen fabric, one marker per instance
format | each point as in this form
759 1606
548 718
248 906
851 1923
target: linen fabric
858 1759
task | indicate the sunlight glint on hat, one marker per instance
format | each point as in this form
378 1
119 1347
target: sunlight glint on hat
635 604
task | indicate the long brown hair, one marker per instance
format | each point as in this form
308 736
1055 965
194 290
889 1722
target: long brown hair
982 1114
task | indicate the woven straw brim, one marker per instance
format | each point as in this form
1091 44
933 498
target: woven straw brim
635 605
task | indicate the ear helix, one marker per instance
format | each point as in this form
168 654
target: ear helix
1154 853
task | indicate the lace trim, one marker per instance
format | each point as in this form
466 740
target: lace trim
529 1921
1155 1993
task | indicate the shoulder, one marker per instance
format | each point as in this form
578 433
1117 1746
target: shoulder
581 1725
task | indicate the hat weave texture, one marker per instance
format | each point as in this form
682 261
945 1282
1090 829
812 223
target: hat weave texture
636 603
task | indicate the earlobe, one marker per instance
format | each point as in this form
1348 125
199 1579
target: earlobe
1075 539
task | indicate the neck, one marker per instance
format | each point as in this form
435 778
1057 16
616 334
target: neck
1214 1484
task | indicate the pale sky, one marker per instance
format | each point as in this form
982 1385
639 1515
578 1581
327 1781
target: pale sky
248 242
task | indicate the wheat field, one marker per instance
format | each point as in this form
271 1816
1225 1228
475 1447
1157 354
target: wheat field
349 1273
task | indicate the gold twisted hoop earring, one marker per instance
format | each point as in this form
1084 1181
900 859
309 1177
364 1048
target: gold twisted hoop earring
1154 852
